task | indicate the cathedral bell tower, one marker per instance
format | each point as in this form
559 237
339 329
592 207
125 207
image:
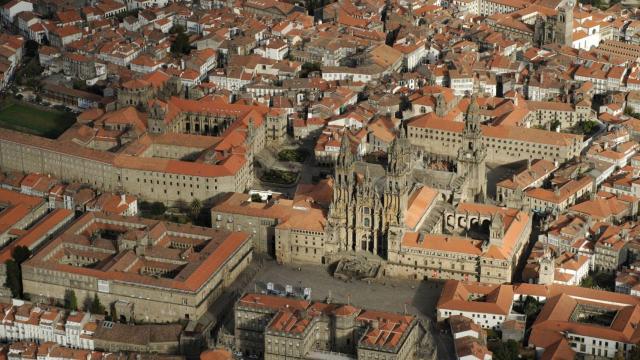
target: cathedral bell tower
564 23
396 191
342 194
472 155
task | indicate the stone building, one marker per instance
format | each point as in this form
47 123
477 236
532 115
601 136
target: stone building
292 230
504 144
279 328
472 155
132 173
146 270
148 338
388 216
172 149
139 92
80 66
477 242
557 28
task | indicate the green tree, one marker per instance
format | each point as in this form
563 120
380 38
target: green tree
96 306
506 351
14 273
158 208
181 43
14 278
588 126
80 85
114 313
308 68
634 354
531 306
176 29
587 282
405 103
195 208
70 300
29 73
20 254
628 110
182 205
31 48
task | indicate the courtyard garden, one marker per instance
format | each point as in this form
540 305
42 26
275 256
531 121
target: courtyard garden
34 120
280 177
292 155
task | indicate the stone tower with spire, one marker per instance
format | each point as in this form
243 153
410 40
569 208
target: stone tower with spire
339 238
397 188
472 156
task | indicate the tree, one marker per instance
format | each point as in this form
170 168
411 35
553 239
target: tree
634 354
20 254
80 85
158 208
308 68
181 43
405 103
31 48
391 37
29 73
195 208
628 110
587 282
70 300
176 29
14 274
96 306
506 351
114 313
588 126
14 278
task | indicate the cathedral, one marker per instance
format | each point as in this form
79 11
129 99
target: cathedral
403 218
374 203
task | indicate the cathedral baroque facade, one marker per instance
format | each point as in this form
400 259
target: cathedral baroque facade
365 206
